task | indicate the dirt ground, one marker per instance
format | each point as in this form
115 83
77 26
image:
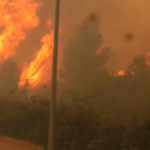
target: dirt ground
12 144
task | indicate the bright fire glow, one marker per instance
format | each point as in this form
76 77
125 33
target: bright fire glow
33 72
16 17
121 73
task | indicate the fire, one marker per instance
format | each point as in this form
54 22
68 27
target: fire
49 23
121 73
33 72
16 17
148 59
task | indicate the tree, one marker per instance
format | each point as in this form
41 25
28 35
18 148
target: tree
82 64
9 75
138 66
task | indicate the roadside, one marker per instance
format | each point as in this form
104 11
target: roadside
13 144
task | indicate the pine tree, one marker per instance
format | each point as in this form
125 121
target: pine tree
82 63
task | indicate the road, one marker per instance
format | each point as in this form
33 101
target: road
12 144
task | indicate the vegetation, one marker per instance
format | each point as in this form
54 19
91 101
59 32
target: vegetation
80 124
95 110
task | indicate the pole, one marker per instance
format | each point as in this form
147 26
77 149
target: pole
54 80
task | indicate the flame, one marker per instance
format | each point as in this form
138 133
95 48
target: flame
33 72
16 17
121 73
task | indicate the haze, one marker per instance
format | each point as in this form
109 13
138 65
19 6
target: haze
103 99
117 19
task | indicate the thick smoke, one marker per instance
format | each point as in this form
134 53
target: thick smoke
117 19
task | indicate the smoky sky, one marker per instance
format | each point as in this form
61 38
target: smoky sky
117 19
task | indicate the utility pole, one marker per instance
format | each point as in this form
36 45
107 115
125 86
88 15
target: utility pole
54 80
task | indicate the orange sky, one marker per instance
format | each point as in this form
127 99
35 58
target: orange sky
117 18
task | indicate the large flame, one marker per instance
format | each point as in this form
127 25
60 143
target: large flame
33 73
16 17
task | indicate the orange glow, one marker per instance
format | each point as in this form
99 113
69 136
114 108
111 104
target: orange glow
132 73
121 73
49 23
33 73
16 17
148 59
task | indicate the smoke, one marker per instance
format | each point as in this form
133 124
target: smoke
117 19
82 65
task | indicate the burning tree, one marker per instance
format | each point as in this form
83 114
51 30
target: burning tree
17 17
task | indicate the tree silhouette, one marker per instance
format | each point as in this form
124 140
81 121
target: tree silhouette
82 63
138 66
9 75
